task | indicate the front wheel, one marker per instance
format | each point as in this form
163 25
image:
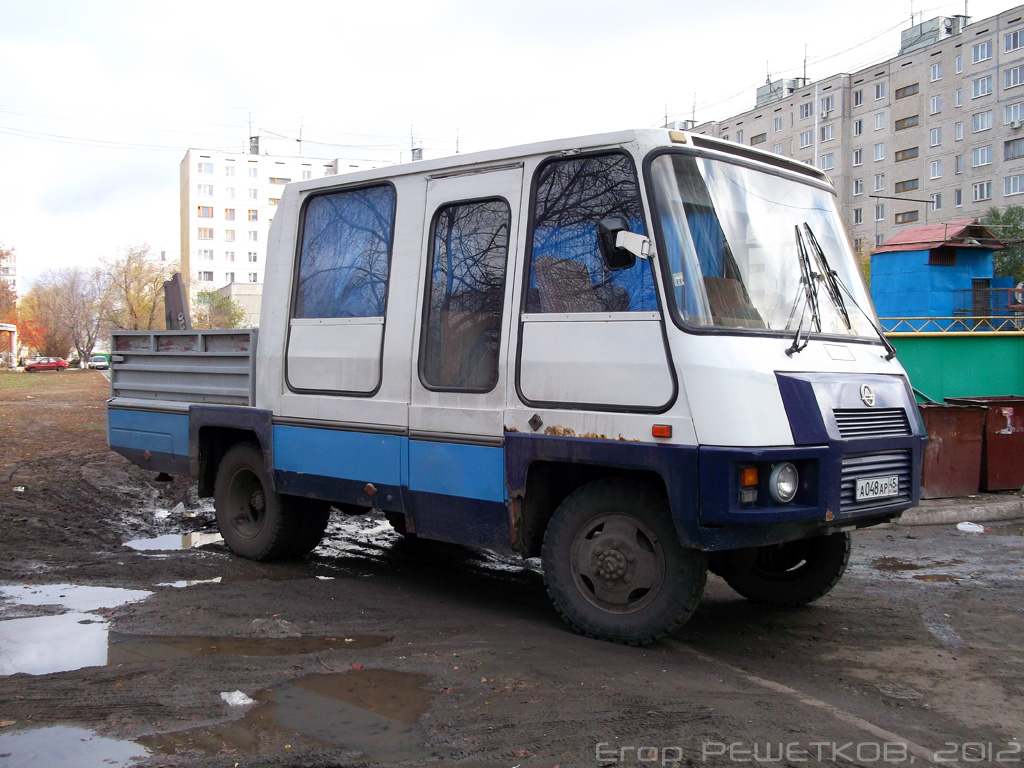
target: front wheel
614 567
60 368
794 573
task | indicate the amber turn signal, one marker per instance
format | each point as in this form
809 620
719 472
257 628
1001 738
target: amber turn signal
661 430
748 477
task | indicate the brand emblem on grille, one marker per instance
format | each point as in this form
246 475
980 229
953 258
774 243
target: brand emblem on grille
867 395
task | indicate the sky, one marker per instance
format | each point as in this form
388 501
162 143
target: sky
100 100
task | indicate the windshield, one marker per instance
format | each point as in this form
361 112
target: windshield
732 250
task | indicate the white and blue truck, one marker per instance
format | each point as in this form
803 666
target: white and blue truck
638 355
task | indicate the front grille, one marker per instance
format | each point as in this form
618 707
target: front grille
871 422
874 465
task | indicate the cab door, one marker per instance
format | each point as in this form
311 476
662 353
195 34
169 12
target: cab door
456 457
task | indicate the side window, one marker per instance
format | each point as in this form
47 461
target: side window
567 272
345 254
462 314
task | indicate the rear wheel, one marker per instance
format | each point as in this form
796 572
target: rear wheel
794 573
614 567
60 368
254 519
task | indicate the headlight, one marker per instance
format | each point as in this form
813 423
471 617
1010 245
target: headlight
784 482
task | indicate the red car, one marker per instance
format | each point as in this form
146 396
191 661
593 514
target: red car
45 364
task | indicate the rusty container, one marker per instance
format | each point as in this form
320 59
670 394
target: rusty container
952 456
1002 455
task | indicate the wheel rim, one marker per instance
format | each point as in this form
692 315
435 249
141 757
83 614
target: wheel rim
618 563
247 504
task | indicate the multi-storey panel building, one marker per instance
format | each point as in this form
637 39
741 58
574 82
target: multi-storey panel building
227 203
9 268
935 134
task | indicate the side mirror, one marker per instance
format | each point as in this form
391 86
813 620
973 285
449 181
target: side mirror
615 258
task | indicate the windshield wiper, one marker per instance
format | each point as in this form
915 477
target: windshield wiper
808 278
835 288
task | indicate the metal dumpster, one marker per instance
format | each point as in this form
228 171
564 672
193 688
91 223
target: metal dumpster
952 456
1002 455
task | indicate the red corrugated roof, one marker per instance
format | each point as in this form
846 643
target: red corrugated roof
966 233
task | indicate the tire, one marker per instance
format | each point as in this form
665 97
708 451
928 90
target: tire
795 573
60 368
637 585
30 370
311 518
250 514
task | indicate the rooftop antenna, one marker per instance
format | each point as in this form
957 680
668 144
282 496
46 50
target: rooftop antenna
301 119
456 141
693 114
805 63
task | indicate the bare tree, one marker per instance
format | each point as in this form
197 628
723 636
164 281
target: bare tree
135 290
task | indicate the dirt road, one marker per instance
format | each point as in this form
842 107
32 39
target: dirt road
130 635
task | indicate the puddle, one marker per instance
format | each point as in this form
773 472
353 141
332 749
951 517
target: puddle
173 541
893 564
133 649
1006 529
72 597
64 745
373 712
190 582
938 577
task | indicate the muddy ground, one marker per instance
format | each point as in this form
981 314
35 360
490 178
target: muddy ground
123 621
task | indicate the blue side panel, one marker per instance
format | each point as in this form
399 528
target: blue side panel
453 469
361 456
156 441
470 522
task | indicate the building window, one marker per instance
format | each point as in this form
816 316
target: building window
1013 149
278 180
827 162
983 51
958 97
206 254
307 175
935 169
981 87
958 131
958 198
858 186
880 121
936 71
982 191
879 182
858 215
880 212
878 239
254 194
777 124
273 201
253 214
229 214
205 211
254 277
254 172
253 257
858 97
206 168
206 190
959 64
1013 113
206 277
858 127
907 90
906 122
981 121
828 132
1013 185
937 201
229 235
806 139
229 277
935 137
253 236
828 103
858 157
981 156
958 164
739 139
761 138
229 193
879 91
906 186
229 255
1012 41
1013 77
205 233
879 152
935 104
777 149
229 170
806 110
906 154
906 217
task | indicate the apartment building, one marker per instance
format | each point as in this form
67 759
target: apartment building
9 268
227 204
934 134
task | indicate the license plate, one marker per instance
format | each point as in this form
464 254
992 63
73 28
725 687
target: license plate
877 487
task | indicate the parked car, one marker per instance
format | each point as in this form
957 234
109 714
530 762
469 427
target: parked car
99 362
45 364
